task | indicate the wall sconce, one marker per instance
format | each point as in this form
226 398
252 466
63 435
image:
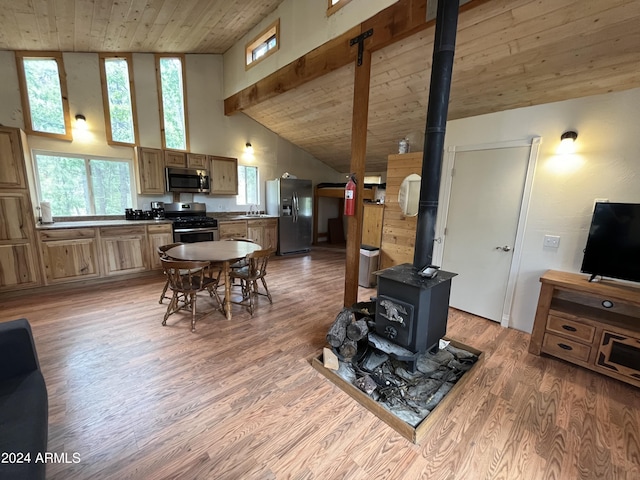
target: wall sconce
249 148
567 142
81 122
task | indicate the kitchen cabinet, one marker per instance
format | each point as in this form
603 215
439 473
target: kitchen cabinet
12 165
174 158
264 232
69 254
150 171
224 175
197 160
158 235
124 249
232 229
594 325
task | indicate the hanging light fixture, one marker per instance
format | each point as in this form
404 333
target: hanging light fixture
567 142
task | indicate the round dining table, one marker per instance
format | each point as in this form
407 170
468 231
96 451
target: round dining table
217 251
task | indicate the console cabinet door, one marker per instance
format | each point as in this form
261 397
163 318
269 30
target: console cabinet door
12 173
123 249
18 254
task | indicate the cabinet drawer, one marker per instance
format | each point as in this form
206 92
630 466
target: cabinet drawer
571 329
120 231
564 348
233 229
67 234
162 228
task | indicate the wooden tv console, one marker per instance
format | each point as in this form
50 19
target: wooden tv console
595 325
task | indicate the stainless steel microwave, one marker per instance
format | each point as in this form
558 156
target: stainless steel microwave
190 180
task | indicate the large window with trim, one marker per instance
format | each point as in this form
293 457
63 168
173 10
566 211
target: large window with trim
172 99
44 94
118 98
78 185
264 45
248 193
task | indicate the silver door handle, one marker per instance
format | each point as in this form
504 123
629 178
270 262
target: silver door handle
506 248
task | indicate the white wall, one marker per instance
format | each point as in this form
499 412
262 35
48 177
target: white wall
304 25
606 165
211 132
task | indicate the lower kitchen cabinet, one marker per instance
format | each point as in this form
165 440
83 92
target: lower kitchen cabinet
158 236
69 254
232 229
123 249
264 232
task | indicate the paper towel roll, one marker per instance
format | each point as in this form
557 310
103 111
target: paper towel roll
45 212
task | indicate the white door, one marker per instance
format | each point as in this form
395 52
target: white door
482 221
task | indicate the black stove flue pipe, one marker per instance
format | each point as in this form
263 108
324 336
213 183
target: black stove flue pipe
437 109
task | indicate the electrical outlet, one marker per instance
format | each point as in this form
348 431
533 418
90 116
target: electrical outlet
552 241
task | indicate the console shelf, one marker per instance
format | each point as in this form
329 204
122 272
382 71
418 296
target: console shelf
594 325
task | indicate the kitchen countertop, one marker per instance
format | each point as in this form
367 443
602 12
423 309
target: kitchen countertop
100 223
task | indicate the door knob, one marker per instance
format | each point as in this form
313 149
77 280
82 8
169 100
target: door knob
506 248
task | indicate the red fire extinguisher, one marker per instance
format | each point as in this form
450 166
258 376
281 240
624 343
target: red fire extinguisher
350 196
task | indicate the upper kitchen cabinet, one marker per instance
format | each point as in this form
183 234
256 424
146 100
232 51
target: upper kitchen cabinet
224 175
12 172
150 171
197 160
173 158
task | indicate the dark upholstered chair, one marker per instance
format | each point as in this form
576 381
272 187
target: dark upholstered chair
24 407
186 279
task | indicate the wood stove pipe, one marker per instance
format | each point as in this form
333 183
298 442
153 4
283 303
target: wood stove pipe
437 109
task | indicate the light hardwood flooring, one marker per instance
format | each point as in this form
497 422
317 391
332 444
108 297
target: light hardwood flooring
239 400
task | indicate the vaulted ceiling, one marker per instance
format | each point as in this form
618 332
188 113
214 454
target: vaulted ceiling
509 54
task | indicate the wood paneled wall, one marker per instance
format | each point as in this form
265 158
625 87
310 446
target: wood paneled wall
398 230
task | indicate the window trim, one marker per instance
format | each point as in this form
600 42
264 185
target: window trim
262 37
105 98
87 159
331 9
158 56
26 107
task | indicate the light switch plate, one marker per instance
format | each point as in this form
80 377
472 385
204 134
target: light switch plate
552 241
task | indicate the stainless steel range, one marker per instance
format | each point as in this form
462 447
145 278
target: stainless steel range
190 222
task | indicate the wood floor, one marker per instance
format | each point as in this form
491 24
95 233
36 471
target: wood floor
239 400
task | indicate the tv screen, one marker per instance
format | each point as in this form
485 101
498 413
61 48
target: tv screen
613 245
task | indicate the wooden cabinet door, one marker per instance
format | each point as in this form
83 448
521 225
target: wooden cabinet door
158 235
264 232
124 249
270 234
372 224
70 259
150 163
173 158
18 266
232 229
197 160
12 173
224 175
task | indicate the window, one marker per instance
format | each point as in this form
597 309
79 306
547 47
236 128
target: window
265 44
335 5
248 193
173 110
77 185
44 94
118 98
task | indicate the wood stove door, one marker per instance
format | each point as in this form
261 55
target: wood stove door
482 221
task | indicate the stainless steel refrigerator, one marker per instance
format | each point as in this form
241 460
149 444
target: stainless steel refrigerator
290 199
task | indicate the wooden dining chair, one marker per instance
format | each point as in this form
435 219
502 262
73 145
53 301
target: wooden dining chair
254 270
162 253
186 279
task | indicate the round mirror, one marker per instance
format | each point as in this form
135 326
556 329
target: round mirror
409 195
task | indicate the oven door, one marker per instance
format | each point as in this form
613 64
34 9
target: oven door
192 235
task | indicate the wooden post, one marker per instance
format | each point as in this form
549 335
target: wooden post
358 160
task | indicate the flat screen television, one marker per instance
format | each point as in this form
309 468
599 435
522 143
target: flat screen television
613 245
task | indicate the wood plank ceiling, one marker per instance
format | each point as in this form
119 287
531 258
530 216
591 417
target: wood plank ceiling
172 26
510 54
